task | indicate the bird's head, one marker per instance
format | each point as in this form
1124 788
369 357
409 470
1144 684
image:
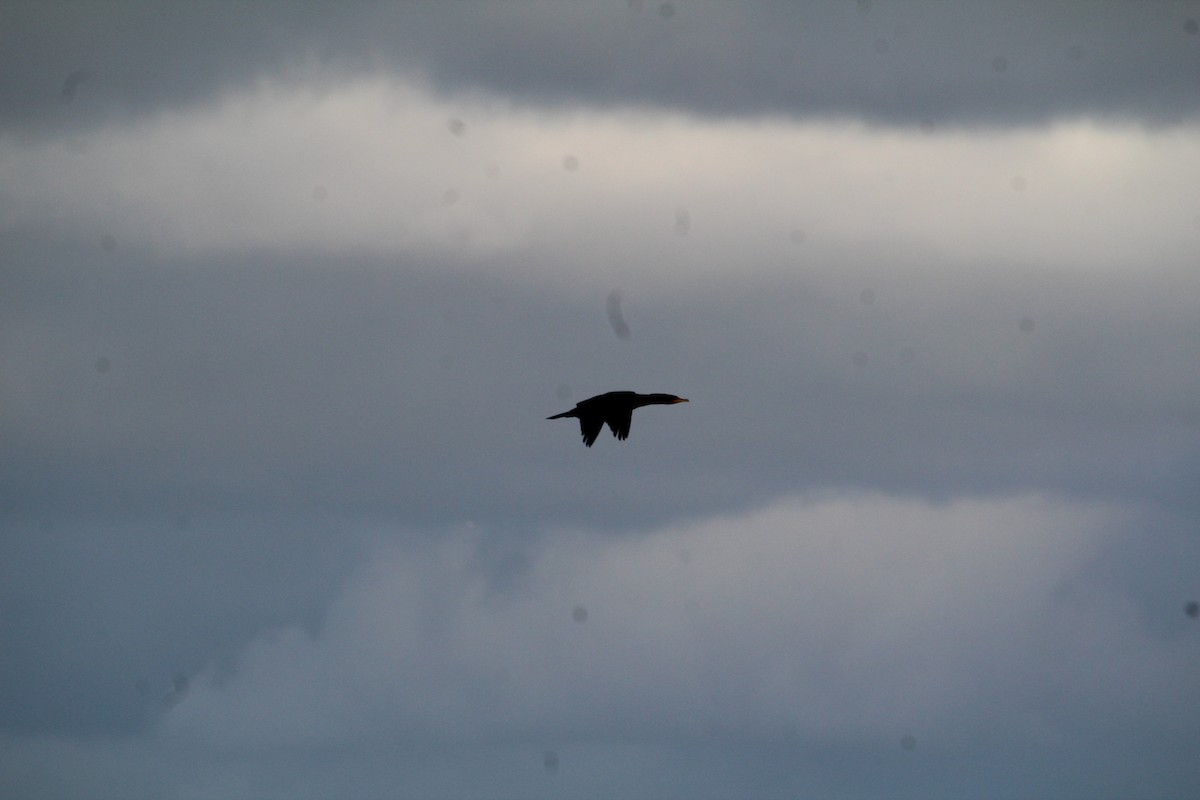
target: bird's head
662 399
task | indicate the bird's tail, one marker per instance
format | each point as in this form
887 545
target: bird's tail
563 414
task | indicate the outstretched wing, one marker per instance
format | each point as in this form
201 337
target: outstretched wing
590 426
619 421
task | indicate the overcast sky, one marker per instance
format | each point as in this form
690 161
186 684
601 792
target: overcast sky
287 292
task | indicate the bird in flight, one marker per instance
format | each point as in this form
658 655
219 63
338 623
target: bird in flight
614 408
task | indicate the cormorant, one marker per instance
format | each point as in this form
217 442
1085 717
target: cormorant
615 408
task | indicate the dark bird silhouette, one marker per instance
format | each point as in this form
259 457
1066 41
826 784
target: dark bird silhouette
614 408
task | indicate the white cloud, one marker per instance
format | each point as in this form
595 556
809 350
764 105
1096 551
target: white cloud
853 618
383 168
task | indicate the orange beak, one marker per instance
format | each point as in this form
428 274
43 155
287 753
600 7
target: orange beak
680 400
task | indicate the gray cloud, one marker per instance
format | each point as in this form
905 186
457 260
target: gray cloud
1014 641
293 387
912 64
132 604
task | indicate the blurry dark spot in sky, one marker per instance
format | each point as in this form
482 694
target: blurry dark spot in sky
1018 183
796 236
1026 325
71 85
927 126
1192 609
1076 52
908 354
457 126
860 359
866 297
666 10
563 392
492 171
908 742
579 614
450 196
46 527
103 364
864 6
570 163
179 688
683 221
550 761
1191 26
881 46
320 193
615 319
108 242
1000 63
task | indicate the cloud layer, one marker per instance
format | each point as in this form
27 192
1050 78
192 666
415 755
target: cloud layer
288 169
976 63
861 620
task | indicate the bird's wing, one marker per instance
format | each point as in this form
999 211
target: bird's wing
590 426
619 422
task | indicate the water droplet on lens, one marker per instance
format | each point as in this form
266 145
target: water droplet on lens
615 318
457 126
683 221
570 163
908 742
550 761
1192 609
179 688
579 614
666 10
1026 325
71 85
